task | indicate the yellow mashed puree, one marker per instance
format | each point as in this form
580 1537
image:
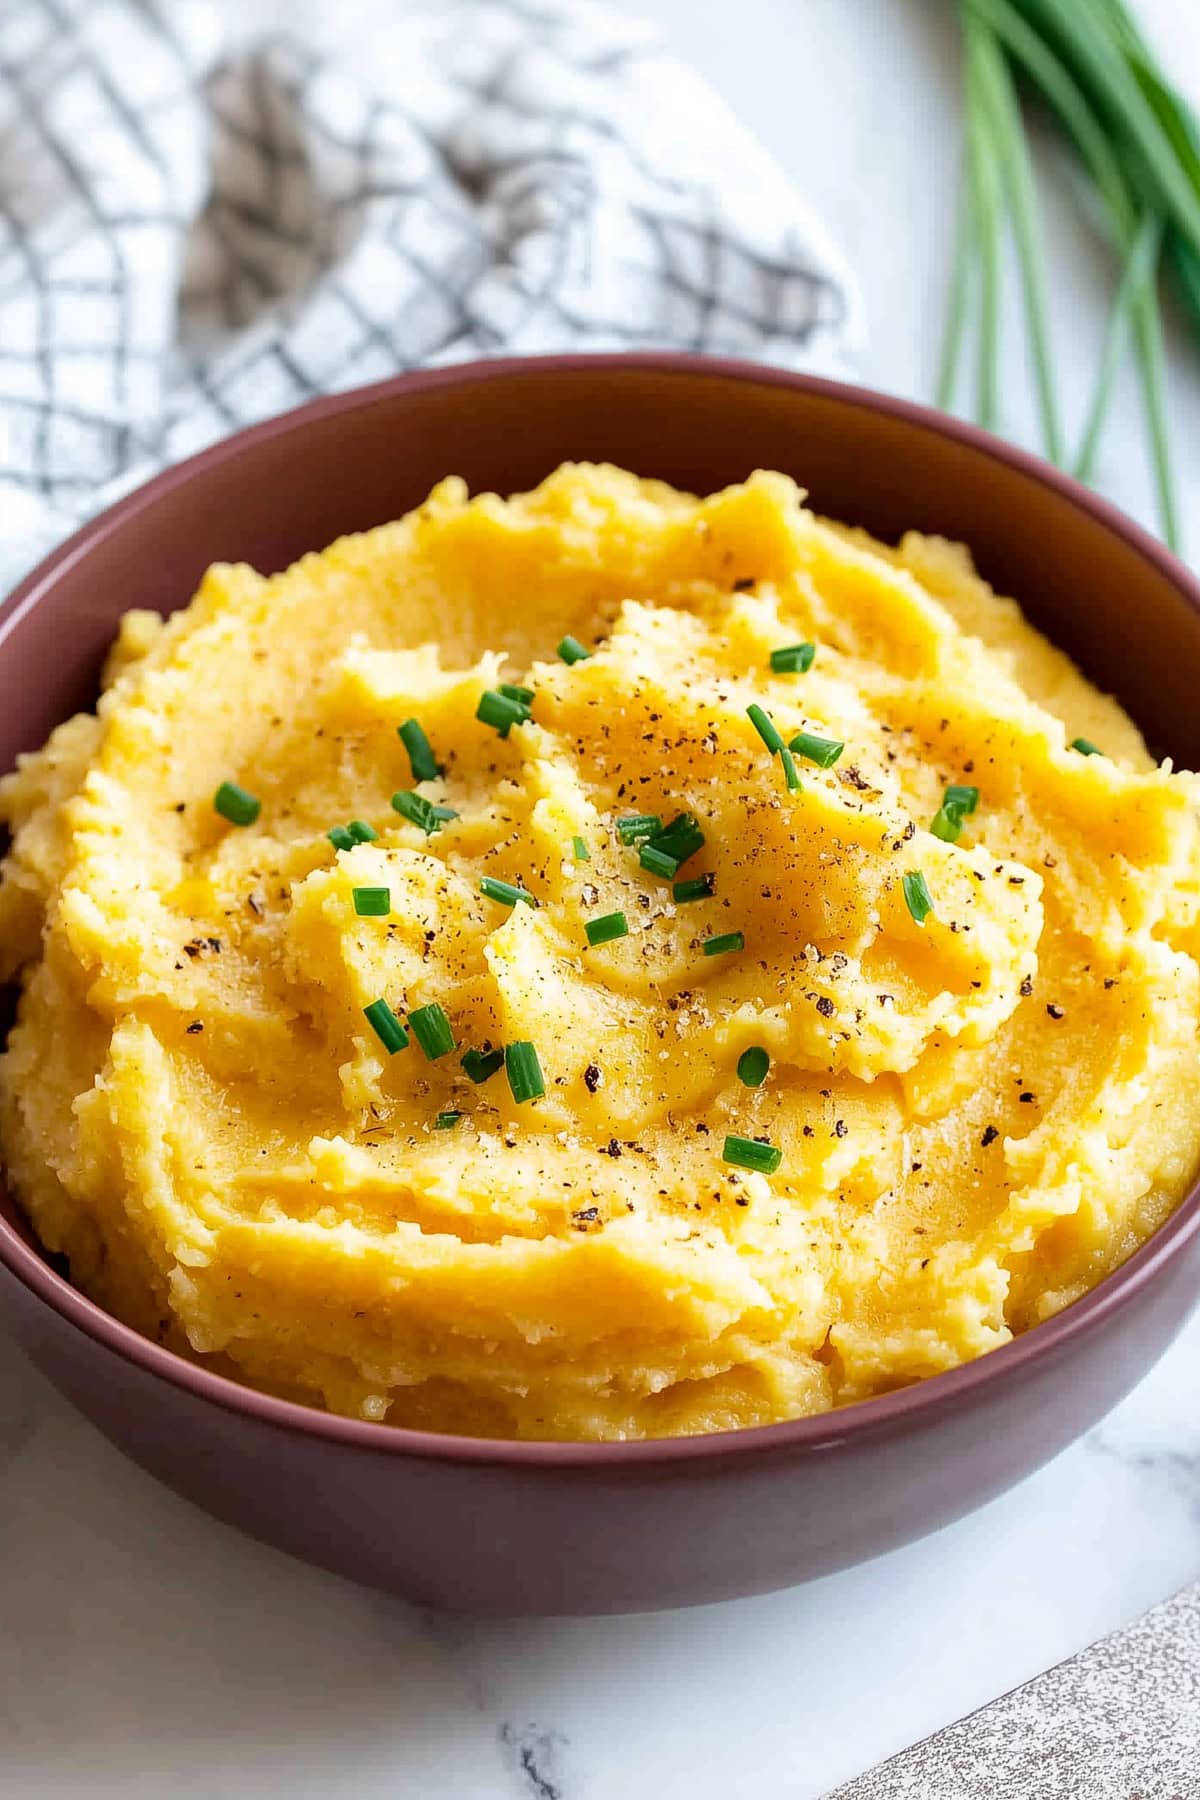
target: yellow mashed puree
977 1113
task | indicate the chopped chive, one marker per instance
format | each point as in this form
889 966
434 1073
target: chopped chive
793 659
372 902
961 799
749 1153
947 821
572 651
699 887
505 892
1086 747
446 1121
431 1028
420 751
657 862
481 1065
790 772
524 1071
680 839
420 811
235 804
729 940
765 727
511 691
501 711
607 928
386 1026
341 837
638 825
361 832
582 853
752 1066
917 897
822 751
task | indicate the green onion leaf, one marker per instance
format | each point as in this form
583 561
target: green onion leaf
822 751
698 888
582 853
446 1121
420 811
607 928
957 802
524 1071
420 751
481 1065
1086 747
680 839
505 892
511 691
341 837
235 804
752 1067
431 1028
748 1153
729 940
657 862
917 897
765 727
793 659
386 1026
961 799
790 772
361 832
372 902
572 651
638 825
501 711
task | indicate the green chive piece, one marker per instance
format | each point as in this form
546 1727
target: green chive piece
361 832
524 1071
235 804
572 651
341 837
752 1066
917 897
582 853
822 751
961 799
501 711
765 727
790 772
511 691
698 888
729 940
446 1121
420 751
386 1026
638 825
372 902
481 1065
793 659
947 821
657 862
1086 747
420 811
605 929
680 839
749 1153
431 1028
505 892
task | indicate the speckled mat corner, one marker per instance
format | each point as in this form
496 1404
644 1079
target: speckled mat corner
1120 1721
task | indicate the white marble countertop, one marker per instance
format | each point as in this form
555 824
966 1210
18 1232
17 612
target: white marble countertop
145 1649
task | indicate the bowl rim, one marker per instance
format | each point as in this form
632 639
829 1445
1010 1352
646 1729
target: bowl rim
922 1402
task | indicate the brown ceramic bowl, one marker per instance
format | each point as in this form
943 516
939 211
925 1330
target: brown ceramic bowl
561 1528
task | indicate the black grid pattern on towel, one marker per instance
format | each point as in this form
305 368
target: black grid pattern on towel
188 245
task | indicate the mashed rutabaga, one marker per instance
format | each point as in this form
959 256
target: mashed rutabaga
973 1016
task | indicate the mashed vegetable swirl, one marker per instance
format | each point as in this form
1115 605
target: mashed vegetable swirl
865 1081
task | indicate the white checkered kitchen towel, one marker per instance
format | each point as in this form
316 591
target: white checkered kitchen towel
192 239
